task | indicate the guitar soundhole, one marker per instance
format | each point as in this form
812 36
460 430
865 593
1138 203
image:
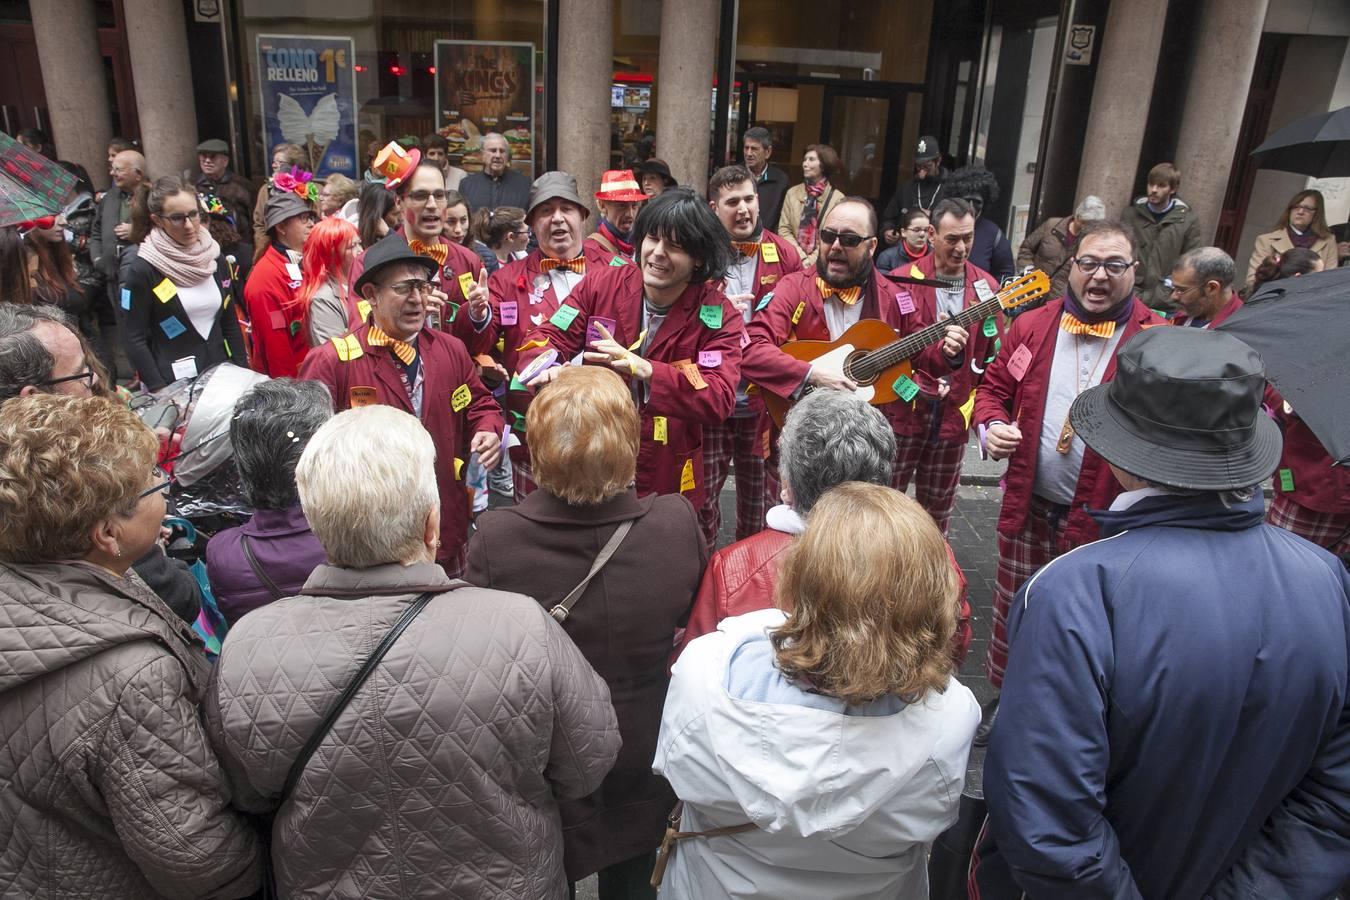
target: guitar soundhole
861 374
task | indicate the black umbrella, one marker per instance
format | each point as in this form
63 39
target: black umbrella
1318 145
1301 328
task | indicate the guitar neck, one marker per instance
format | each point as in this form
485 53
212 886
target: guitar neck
913 344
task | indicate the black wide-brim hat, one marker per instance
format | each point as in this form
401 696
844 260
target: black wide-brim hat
388 250
1184 410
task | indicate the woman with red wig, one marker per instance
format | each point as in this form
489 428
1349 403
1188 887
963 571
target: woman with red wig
332 308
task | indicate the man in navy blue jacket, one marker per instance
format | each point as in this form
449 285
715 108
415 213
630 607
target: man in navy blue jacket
1174 719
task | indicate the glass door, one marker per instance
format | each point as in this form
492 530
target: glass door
870 128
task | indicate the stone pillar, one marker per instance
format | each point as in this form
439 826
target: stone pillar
162 72
66 33
684 77
1215 101
1120 101
585 72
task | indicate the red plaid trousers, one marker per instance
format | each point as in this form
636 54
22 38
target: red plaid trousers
522 477
935 469
1329 530
736 442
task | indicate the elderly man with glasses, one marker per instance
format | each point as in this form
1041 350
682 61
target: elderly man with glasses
1048 357
394 360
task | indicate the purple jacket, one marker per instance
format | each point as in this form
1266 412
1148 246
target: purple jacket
287 551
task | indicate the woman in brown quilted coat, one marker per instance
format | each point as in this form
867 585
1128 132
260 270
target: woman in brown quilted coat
442 776
108 786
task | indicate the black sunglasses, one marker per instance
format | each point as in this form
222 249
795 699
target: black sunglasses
847 238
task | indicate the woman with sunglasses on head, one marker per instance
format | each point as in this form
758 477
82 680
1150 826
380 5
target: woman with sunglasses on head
57 283
1303 225
178 296
108 781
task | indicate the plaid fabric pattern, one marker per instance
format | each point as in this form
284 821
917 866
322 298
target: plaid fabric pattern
1019 556
935 469
522 476
733 443
1327 530
454 564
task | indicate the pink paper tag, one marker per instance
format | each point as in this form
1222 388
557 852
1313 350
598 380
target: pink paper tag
510 312
745 339
593 328
710 359
905 301
1018 362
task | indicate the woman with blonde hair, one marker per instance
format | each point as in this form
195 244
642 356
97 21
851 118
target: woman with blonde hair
107 780
1302 225
820 747
584 442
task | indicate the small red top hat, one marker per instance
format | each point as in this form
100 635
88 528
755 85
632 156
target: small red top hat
619 186
395 163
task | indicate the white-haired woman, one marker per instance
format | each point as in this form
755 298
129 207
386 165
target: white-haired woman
442 774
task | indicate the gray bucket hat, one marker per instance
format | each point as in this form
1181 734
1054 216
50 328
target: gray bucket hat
555 185
282 205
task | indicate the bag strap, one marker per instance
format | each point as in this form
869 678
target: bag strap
564 607
257 569
298 767
673 834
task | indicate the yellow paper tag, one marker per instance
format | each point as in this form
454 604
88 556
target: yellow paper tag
348 348
968 408
460 398
659 429
466 284
687 476
165 291
915 273
363 309
638 343
530 345
769 252
459 467
797 313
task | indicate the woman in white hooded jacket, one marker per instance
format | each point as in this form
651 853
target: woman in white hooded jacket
833 725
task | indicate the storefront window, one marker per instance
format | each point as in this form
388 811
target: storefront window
343 77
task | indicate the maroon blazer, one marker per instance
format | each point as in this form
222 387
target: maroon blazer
370 375
461 264
712 352
1002 397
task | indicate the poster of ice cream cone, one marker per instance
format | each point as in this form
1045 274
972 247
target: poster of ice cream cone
484 87
308 98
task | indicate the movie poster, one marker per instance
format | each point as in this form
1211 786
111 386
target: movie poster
483 87
308 94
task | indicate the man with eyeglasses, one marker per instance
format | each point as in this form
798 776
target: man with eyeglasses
393 359
112 221
40 352
932 447
277 339
822 303
1049 356
1201 285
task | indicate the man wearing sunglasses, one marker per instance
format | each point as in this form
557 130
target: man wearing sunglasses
394 360
821 303
1048 357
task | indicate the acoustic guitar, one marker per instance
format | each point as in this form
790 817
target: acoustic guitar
877 358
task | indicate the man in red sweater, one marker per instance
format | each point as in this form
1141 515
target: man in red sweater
278 342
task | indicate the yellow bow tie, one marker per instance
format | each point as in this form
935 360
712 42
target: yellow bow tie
746 248
577 265
1073 325
850 295
437 251
404 351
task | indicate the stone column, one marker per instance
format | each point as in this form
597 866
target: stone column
162 72
1215 101
1120 100
684 77
585 72
66 33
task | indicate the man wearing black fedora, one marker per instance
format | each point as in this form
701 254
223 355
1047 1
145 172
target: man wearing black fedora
1174 718
395 360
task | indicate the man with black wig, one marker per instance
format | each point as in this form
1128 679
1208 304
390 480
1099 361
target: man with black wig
667 328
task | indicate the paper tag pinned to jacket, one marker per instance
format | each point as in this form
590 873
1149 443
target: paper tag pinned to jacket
983 290
461 398
165 291
363 309
358 397
659 429
687 476
510 312
797 313
769 252
185 367
1019 362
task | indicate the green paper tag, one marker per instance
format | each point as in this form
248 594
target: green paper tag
519 422
517 384
295 328
905 388
618 261
990 327
711 315
765 301
1286 480
454 310
564 317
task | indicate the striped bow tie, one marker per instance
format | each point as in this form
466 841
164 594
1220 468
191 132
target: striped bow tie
577 265
405 352
746 248
850 295
436 251
1073 325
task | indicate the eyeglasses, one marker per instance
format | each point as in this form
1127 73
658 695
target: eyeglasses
1303 208
404 289
163 485
847 238
87 376
424 196
918 229
521 232
1114 267
179 219
1177 289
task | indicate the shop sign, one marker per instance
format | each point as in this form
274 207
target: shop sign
308 97
1081 40
482 87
